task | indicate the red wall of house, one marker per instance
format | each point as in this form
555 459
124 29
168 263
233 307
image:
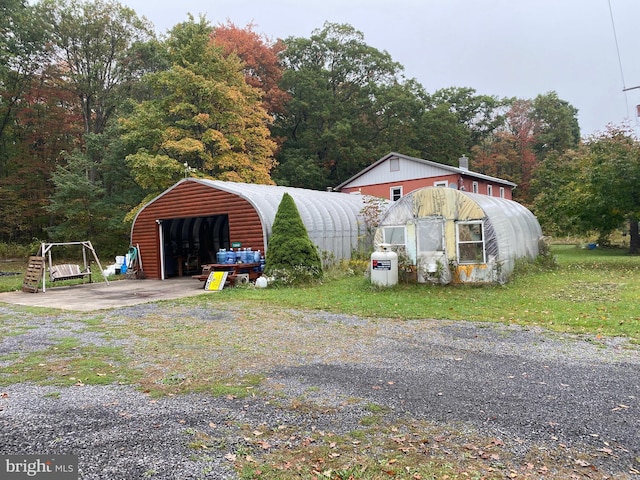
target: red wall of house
384 189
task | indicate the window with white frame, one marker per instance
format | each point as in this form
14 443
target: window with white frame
475 187
501 192
395 193
442 183
490 190
470 242
394 235
394 165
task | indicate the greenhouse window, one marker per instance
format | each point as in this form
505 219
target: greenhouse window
470 242
394 235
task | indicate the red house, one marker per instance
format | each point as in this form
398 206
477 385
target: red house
395 175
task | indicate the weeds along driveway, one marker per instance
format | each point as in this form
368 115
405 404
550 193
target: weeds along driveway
503 401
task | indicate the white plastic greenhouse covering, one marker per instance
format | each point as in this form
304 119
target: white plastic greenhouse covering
333 220
511 231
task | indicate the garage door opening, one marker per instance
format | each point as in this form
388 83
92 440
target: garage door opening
189 243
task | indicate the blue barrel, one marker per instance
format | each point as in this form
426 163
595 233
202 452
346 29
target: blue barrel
221 256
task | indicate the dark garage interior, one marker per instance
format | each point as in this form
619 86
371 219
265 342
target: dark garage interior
193 241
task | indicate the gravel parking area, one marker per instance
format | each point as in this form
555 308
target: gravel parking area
533 389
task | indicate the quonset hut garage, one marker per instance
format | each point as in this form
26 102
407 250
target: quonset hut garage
185 226
447 235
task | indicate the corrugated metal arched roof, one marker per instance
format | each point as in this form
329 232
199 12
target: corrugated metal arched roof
332 219
512 230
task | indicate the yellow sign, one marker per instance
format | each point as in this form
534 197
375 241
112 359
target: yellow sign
216 281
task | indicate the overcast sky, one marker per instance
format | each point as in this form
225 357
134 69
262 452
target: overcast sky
507 48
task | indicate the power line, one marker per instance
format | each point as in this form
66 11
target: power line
615 36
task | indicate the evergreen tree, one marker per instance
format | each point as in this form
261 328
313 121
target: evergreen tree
291 256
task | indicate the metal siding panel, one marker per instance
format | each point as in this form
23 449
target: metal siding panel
191 199
315 209
409 170
332 219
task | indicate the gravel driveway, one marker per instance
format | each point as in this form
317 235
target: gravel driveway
535 390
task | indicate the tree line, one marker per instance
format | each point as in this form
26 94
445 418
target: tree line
99 114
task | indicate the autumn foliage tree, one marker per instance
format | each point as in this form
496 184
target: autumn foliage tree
201 113
260 57
91 44
45 125
532 130
508 153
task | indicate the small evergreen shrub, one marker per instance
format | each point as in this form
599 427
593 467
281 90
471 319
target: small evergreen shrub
291 259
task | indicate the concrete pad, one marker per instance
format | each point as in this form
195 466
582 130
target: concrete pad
99 296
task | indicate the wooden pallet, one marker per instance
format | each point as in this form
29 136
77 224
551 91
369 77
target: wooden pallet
33 274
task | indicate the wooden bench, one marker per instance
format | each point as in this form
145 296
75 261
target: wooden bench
68 272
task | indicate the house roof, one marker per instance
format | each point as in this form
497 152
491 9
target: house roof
456 170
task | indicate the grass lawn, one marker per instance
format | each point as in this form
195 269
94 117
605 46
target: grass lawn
591 291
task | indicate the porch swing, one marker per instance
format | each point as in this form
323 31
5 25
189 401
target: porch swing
68 271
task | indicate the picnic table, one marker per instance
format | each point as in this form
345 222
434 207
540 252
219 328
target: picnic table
238 272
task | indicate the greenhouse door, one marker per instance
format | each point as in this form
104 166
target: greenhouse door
432 263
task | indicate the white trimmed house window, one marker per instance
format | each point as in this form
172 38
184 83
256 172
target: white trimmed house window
475 187
442 183
501 192
395 193
470 242
394 165
490 190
